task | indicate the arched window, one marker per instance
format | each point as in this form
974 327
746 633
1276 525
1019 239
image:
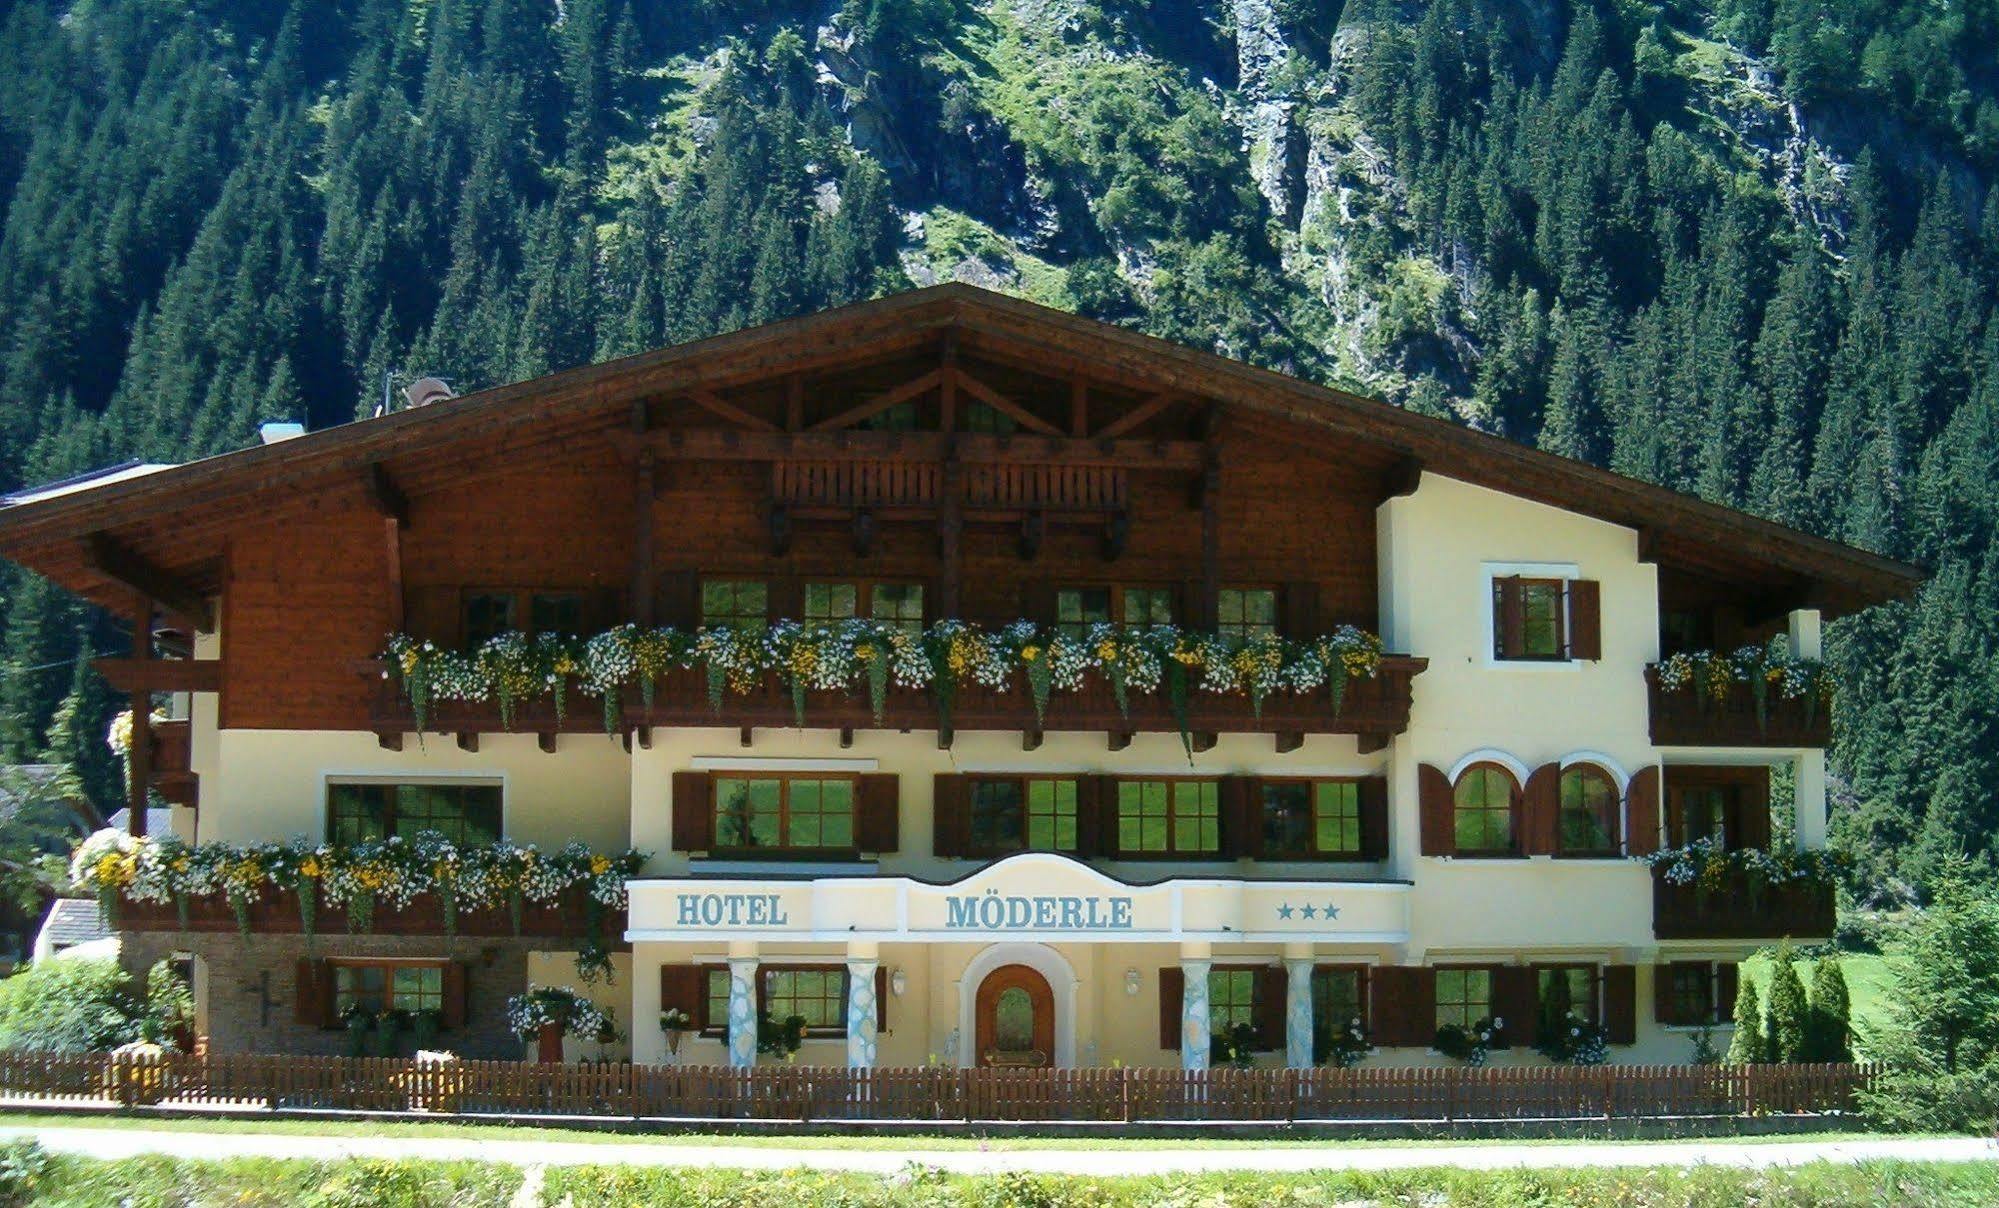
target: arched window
1485 800
1588 811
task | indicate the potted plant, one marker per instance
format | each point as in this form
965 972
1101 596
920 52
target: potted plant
675 1023
1234 1046
1342 1047
388 1028
1469 1045
548 1013
780 1039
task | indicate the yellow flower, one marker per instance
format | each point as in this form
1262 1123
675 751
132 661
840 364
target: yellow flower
599 865
1106 652
1030 653
409 661
310 867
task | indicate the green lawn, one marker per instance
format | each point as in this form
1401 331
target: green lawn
1869 983
143 1183
877 1140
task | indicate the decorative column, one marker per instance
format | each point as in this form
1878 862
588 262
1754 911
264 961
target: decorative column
742 1011
1298 1013
1194 1014
863 1013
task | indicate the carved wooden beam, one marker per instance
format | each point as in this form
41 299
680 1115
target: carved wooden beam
1030 739
794 403
108 557
468 740
714 403
546 740
161 675
1131 419
921 384
1202 740
139 757
1289 741
712 444
1371 742
1004 405
1402 478
1079 408
1118 740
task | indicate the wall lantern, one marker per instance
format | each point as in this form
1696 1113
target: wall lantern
1131 982
898 981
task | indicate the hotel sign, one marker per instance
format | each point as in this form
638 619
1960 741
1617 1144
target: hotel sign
1035 897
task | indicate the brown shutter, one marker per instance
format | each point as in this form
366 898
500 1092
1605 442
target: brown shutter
1540 810
1198 609
677 602
431 614
1089 816
1271 990
1727 983
1241 817
878 818
1620 1004
1404 1006
454 994
1509 616
312 1004
784 598
1753 811
685 987
1439 811
950 815
1641 813
693 812
1374 818
881 998
1300 611
1664 1012
1172 987
1364 995
1037 602
1108 842
1516 1000
1585 619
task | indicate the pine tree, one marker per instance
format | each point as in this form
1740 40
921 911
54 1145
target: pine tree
1748 1045
1788 1014
1831 1028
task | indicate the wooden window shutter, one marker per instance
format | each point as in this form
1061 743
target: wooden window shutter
878 820
1300 611
1620 1004
881 998
1197 610
312 1004
1541 811
455 994
693 812
1241 801
1271 990
1089 816
1509 616
1516 1000
431 614
1439 811
1374 818
1727 983
1172 988
1037 601
1585 619
677 600
1641 813
950 815
784 599
1404 1005
1753 812
685 987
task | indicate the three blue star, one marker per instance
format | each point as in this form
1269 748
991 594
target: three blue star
1284 911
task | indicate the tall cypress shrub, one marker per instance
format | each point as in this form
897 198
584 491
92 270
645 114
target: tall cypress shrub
1831 1037
1747 1046
1788 1011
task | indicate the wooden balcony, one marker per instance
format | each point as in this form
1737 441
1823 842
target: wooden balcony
1686 718
1799 910
564 923
1374 709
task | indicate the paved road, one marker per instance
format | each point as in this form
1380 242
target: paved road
113 1143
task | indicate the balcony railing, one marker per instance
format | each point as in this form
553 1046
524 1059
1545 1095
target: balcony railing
172 776
568 920
1690 717
1742 908
1374 708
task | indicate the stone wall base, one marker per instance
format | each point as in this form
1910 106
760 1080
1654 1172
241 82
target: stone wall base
246 990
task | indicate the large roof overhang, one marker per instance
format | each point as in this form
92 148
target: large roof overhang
176 519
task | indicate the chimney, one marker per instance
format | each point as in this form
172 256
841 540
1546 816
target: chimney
276 431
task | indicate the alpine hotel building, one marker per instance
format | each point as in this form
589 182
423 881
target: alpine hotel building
1447 836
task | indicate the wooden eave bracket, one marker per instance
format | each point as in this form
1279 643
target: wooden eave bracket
108 557
386 497
161 675
1402 478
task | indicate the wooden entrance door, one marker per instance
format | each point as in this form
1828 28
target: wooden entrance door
1016 1019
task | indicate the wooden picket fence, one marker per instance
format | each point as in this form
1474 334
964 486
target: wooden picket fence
815 1093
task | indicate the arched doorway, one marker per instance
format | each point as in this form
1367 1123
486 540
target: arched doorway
1015 1019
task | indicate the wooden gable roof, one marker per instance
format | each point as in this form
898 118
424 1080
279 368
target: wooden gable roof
165 530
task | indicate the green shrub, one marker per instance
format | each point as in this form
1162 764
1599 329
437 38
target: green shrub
1941 1038
24 1166
1747 1046
1830 1031
1788 1012
68 1006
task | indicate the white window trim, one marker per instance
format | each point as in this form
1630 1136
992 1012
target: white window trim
1492 755
1567 572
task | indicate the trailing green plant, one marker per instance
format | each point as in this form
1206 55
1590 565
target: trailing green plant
1764 671
1712 868
540 1006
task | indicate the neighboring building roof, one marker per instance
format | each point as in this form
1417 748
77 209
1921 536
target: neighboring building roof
72 921
85 481
159 820
175 519
20 781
